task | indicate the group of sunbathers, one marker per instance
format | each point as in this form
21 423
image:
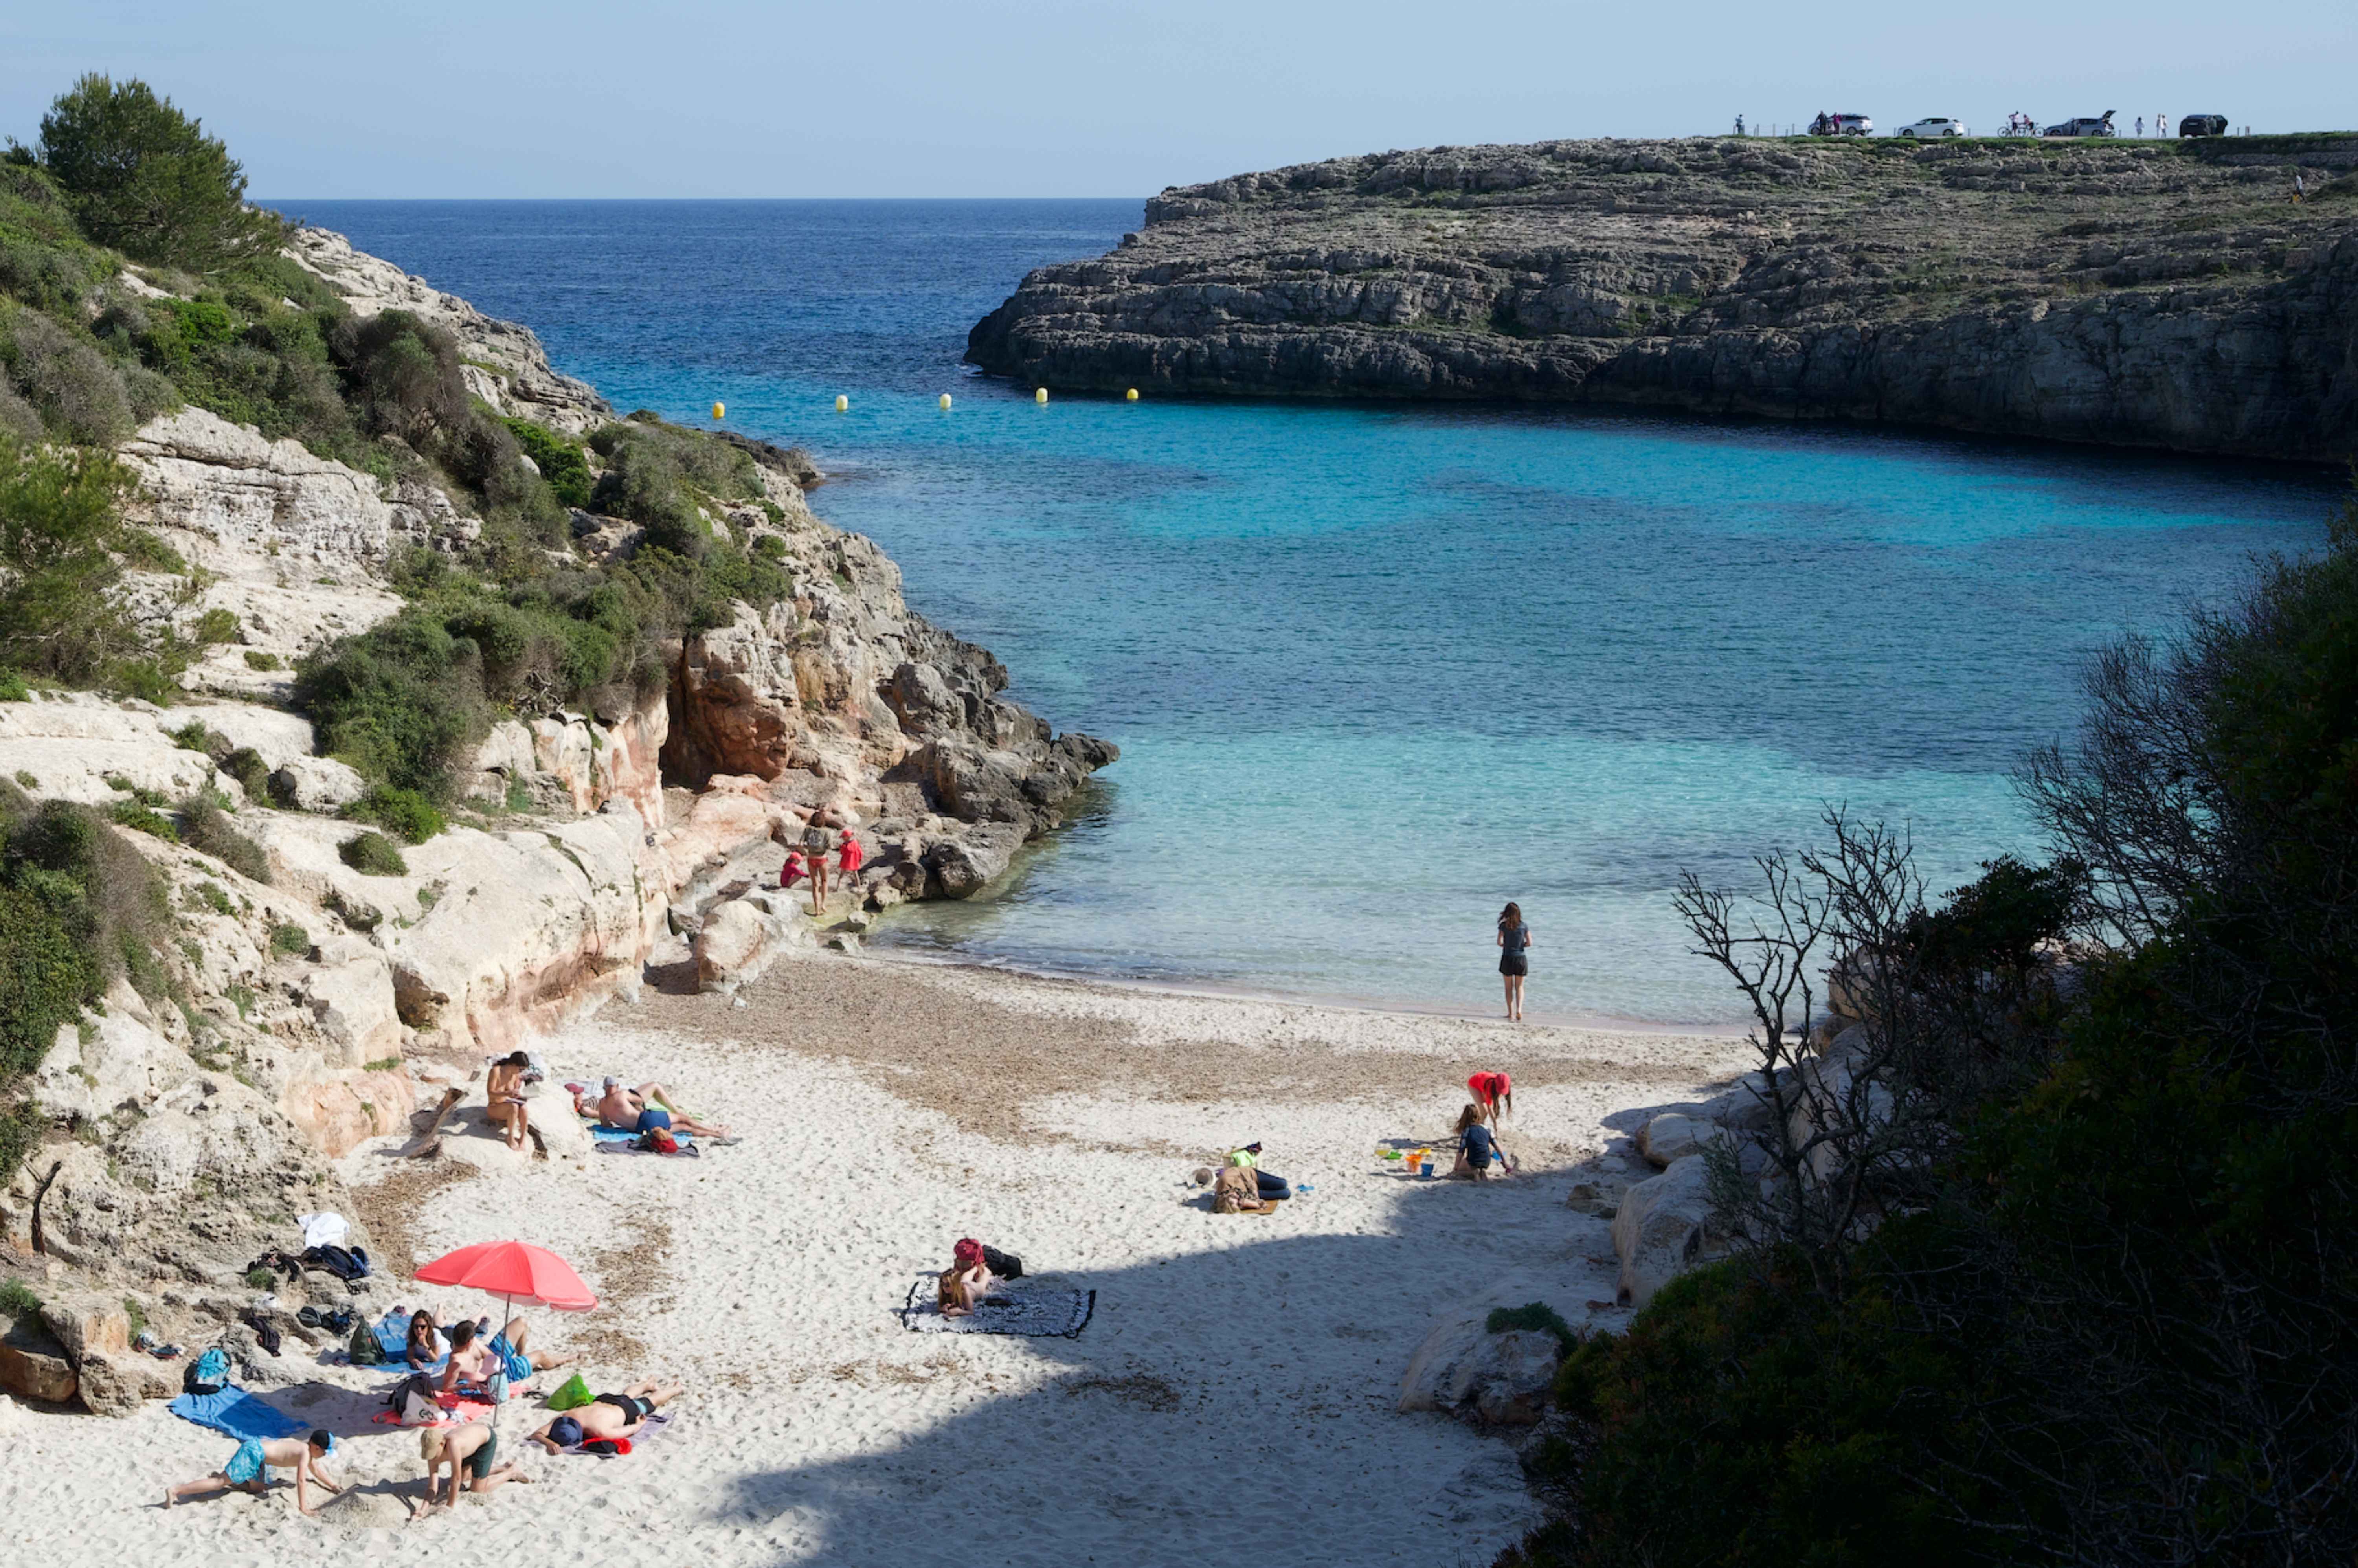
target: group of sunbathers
642 1109
468 1450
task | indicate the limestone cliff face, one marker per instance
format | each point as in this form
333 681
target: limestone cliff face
2163 295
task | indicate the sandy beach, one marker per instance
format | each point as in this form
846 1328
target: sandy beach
1232 1396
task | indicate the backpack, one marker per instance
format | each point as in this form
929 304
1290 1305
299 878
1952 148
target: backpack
346 1265
208 1374
1006 1265
365 1350
412 1402
658 1141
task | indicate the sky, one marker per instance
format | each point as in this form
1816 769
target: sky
504 98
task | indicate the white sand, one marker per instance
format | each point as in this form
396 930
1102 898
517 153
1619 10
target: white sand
1233 1400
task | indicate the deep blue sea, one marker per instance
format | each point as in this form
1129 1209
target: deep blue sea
1377 670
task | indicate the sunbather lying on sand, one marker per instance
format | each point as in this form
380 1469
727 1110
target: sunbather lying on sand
248 1469
607 1416
646 1108
966 1282
469 1450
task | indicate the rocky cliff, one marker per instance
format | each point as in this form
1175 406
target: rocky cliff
308 997
2165 295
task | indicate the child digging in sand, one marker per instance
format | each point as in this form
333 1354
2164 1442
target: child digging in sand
471 1450
248 1469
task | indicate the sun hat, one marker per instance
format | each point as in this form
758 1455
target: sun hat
968 1252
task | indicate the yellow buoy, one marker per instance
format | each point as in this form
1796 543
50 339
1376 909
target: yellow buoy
720 410
1133 394
1040 396
842 404
946 402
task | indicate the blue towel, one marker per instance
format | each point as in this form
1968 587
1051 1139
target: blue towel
238 1413
614 1137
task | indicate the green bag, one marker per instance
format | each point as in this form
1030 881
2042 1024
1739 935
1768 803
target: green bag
365 1349
574 1394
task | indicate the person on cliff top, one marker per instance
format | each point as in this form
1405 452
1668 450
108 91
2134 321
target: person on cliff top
1269 1185
1493 1093
504 1090
472 1448
248 1469
628 1111
1514 963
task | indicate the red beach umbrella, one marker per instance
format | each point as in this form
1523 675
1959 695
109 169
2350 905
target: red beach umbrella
520 1272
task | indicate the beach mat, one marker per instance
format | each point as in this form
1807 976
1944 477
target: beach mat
614 1141
1030 1315
458 1409
653 1427
392 1333
240 1414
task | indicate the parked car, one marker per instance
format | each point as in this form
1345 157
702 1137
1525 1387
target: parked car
2085 125
2202 124
1934 125
1841 126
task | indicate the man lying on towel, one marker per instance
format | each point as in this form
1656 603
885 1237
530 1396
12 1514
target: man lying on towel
606 1418
643 1110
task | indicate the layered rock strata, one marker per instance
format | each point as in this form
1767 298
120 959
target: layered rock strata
2156 295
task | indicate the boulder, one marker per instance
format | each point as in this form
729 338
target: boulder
560 1129
117 1384
924 701
351 1000
123 1062
33 1366
739 938
319 784
88 1323
1599 1198
1463 1369
1672 1136
963 866
1662 1229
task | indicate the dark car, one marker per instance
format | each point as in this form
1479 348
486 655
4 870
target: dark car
2085 125
2202 124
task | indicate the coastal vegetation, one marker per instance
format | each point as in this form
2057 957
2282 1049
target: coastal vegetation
134 279
2055 1269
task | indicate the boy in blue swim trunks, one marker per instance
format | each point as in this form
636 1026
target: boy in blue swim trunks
248 1469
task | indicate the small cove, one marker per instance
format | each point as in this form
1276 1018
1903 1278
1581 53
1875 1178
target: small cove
1376 670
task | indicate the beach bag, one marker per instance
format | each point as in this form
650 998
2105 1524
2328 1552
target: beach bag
571 1394
1006 1265
345 1265
658 1141
208 1374
412 1402
1238 1191
365 1350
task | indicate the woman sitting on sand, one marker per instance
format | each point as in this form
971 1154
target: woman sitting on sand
424 1347
504 1091
1476 1147
966 1282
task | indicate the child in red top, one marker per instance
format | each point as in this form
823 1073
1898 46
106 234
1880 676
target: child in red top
792 872
1492 1092
851 857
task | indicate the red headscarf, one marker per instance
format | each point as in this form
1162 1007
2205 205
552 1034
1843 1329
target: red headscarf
968 1252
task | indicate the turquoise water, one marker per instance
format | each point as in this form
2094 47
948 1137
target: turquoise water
1376 670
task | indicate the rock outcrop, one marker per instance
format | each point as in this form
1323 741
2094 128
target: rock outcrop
2165 295
1493 1380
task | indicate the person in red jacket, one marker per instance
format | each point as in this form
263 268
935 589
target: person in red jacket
1493 1093
849 857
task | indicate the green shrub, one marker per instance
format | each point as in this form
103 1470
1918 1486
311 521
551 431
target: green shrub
257 660
12 687
16 1298
402 376
208 830
245 765
770 547
403 702
77 392
20 1129
1534 1318
198 736
59 517
289 940
143 178
216 625
404 812
372 855
260 1278
560 461
208 895
146 818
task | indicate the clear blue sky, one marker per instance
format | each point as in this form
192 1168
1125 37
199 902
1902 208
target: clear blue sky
503 98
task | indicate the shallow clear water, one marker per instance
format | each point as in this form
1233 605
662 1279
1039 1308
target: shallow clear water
1377 670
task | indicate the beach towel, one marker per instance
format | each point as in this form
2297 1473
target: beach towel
237 1412
649 1429
393 1337
458 1410
614 1141
1031 1314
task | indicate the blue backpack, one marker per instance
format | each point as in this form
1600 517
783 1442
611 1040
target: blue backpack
208 1374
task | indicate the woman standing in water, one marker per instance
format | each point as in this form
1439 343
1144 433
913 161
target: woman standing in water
1514 941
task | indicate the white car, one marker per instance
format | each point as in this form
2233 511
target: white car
1938 125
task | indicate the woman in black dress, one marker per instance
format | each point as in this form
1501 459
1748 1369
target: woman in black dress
1514 941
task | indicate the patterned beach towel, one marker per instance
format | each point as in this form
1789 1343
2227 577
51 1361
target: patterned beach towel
614 1141
1033 1314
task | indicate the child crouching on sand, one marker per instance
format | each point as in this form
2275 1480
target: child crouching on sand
248 1469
